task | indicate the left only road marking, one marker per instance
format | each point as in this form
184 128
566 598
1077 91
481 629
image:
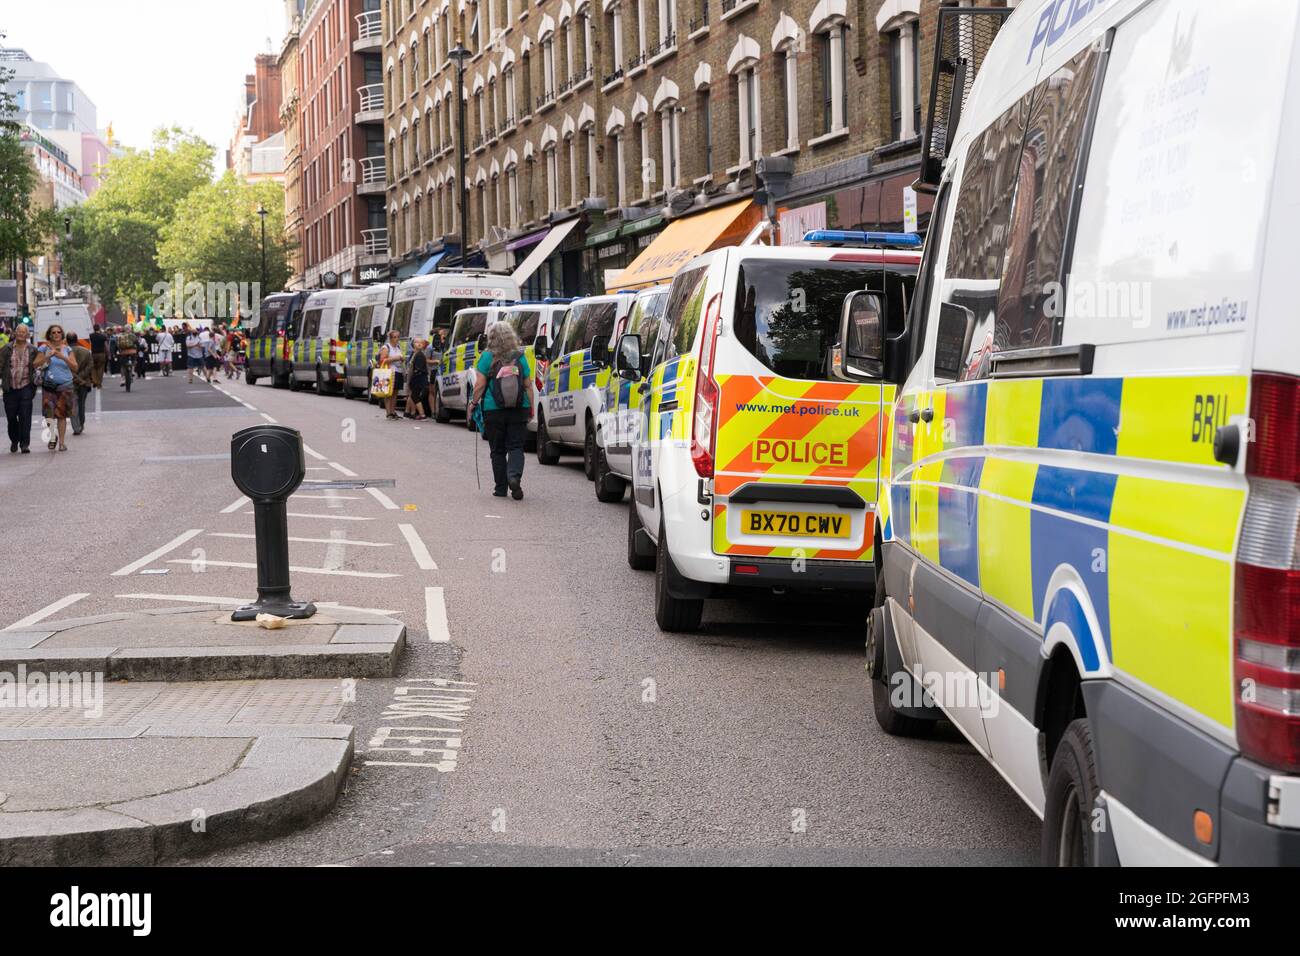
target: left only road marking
46 611
152 556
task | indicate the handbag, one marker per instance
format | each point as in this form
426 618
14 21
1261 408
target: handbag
381 382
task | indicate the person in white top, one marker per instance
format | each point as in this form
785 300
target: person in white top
165 345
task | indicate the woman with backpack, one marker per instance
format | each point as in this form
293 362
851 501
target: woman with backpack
502 386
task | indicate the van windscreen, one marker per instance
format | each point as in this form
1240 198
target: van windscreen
525 325
788 313
469 326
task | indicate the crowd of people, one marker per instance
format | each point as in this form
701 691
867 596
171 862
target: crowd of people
67 368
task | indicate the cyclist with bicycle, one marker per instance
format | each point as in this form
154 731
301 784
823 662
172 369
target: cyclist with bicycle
128 347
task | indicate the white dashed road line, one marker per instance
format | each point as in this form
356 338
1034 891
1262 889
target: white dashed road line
212 599
348 541
382 498
418 551
313 452
435 616
228 509
269 419
46 611
154 555
293 567
348 472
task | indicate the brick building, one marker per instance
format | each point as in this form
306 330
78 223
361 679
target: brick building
340 122
259 114
290 106
592 124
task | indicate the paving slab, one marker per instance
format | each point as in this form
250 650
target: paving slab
202 643
164 770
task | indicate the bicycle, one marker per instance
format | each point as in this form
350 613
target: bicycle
127 362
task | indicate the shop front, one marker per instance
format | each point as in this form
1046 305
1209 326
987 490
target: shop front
681 240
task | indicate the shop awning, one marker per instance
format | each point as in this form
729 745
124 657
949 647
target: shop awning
542 250
523 242
686 238
431 265
602 237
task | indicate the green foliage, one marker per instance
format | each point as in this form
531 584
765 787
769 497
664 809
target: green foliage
20 234
216 234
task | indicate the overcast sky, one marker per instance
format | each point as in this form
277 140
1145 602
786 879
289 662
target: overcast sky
150 63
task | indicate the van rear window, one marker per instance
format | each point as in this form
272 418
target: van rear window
402 317
311 324
788 313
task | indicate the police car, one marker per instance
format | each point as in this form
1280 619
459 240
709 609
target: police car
620 414
577 376
756 461
1090 546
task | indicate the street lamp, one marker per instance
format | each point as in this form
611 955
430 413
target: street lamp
460 55
261 212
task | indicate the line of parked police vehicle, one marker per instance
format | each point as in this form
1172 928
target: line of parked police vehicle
1074 531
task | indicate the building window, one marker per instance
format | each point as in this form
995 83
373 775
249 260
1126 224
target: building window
904 85
552 178
787 80
668 137
591 161
620 170
706 131
667 23
512 195
747 102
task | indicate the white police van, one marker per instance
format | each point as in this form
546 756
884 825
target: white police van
320 350
454 381
620 415
757 458
367 337
535 324
1089 519
576 378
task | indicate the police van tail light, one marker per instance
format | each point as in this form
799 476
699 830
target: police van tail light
704 424
1267 594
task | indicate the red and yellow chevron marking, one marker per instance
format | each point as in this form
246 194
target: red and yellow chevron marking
796 432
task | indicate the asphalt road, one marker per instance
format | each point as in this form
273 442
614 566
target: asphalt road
588 736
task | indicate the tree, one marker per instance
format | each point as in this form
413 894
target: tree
116 233
216 235
20 223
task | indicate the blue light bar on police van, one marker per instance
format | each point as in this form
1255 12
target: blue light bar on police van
851 237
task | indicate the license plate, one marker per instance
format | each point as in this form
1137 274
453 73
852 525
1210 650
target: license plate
803 524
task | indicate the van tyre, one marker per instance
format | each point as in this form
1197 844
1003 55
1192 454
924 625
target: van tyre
547 453
610 488
891 721
673 614
349 391
1072 789
294 384
640 549
249 377
589 449
440 413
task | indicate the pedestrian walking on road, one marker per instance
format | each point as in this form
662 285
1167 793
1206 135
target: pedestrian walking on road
211 354
193 355
391 355
98 356
165 346
417 383
57 364
18 381
82 381
148 338
128 348
502 386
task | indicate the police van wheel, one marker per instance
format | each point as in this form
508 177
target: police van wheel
640 550
321 388
349 392
672 614
610 488
890 720
440 413
546 451
294 384
249 377
1072 788
589 452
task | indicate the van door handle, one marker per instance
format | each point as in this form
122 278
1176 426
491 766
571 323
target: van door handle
917 414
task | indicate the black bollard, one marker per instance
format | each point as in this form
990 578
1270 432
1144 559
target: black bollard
267 464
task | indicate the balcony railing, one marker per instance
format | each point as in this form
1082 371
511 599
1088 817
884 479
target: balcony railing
545 98
729 5
637 59
376 241
613 77
581 76
566 85
370 98
700 22
369 24
374 169
667 43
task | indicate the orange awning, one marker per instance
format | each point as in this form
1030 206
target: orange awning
684 239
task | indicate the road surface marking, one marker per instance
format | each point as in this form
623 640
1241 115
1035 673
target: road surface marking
297 514
292 567
251 408
313 452
46 611
235 506
382 498
435 616
149 558
335 497
269 419
418 551
349 541
211 599
334 555
341 470
224 456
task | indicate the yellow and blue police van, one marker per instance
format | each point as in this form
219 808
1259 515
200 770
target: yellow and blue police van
320 350
577 376
270 341
756 463
535 324
1089 518
620 410
427 305
455 377
367 337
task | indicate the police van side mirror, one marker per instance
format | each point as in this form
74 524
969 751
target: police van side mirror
861 351
627 361
600 350
542 348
